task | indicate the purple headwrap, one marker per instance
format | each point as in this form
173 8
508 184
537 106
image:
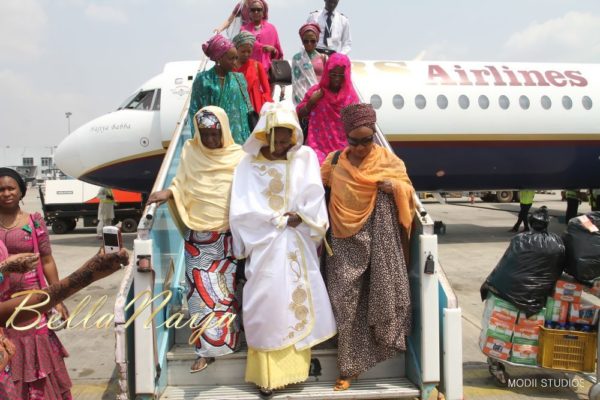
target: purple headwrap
310 27
216 47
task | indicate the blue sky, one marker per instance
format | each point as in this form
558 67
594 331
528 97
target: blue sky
86 56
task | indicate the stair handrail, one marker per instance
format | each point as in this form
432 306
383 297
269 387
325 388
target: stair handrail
147 221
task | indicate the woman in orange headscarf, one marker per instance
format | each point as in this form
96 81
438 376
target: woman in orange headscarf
367 274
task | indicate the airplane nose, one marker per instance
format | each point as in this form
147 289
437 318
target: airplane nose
68 154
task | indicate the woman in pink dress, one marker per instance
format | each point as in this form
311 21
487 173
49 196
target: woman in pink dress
37 368
323 104
267 46
239 16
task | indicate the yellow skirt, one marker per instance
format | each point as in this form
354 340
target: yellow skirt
276 369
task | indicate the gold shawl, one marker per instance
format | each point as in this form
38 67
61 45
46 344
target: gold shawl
354 190
202 186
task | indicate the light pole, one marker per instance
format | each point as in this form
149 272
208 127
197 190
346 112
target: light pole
68 116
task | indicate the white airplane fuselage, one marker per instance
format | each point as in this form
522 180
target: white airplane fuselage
456 125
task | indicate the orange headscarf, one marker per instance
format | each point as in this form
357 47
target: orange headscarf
354 190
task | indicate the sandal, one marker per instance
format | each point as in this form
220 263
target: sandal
341 384
200 364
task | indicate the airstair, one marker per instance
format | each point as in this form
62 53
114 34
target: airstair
154 360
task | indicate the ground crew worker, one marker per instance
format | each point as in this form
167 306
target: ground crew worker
572 204
525 200
595 199
106 209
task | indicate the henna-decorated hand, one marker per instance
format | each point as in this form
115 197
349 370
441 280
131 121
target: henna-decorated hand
62 310
104 265
19 263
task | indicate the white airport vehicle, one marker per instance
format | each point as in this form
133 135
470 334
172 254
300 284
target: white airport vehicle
65 201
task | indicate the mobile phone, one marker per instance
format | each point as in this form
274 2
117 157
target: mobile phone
113 241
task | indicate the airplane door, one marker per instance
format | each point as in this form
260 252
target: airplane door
177 85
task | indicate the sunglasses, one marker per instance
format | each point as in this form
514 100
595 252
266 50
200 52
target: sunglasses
256 9
336 75
357 142
309 41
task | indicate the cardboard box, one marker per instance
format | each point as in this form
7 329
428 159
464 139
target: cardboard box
524 354
495 347
526 335
568 291
585 314
499 309
535 320
557 310
498 329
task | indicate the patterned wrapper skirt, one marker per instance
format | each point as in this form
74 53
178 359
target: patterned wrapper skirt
368 286
210 273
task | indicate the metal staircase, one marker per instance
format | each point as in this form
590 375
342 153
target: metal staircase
154 360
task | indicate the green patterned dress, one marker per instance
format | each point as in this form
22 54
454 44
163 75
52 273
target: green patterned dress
231 97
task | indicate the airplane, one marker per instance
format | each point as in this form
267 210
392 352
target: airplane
457 125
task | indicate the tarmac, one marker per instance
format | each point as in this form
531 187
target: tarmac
475 239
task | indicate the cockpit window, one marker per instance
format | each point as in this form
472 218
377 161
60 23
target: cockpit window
141 101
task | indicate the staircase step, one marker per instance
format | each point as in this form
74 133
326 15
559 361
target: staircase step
231 369
394 388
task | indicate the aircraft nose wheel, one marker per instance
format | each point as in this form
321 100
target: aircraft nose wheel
498 371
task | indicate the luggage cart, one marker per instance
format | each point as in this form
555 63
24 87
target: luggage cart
497 367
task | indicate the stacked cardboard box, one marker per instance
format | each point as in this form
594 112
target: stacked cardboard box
498 324
526 338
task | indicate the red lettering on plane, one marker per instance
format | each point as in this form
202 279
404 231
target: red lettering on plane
490 75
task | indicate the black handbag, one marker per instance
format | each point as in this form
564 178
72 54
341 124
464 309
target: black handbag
253 116
280 73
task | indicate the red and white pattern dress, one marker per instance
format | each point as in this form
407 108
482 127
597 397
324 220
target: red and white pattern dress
210 273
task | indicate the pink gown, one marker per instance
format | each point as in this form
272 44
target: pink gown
266 35
325 128
37 369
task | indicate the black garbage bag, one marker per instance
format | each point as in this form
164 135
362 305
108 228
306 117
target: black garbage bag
527 272
583 248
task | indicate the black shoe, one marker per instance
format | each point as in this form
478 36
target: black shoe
265 393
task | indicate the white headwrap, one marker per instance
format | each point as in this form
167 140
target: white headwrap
273 115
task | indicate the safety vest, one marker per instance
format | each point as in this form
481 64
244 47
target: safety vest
526 196
572 194
593 196
106 196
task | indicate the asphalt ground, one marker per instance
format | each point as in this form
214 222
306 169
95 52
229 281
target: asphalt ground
476 237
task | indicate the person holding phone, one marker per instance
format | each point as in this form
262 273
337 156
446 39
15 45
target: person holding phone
199 199
43 375
98 267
